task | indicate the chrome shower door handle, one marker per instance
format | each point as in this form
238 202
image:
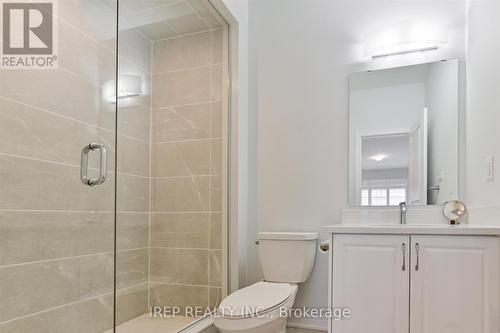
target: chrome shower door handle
84 164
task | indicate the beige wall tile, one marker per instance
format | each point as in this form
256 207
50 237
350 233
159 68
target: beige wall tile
181 87
131 303
92 17
216 230
184 266
182 52
181 158
217 46
216 122
31 132
84 56
38 185
217 83
51 235
216 193
90 316
214 297
134 121
81 99
216 157
132 230
178 295
180 230
215 268
132 267
181 123
186 194
34 287
135 50
132 193
133 156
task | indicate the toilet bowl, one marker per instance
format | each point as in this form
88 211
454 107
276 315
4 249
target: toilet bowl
286 259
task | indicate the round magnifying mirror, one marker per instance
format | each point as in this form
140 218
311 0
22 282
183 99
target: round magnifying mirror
454 210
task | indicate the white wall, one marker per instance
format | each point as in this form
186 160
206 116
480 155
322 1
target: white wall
247 255
301 54
442 103
483 109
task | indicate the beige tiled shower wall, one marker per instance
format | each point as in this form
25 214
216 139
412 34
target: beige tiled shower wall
186 196
56 234
134 160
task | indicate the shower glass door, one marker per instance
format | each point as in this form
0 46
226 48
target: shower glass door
113 155
56 231
171 143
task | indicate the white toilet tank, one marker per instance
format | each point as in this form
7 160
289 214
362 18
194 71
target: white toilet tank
287 256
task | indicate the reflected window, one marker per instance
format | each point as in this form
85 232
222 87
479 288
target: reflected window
396 196
383 196
379 197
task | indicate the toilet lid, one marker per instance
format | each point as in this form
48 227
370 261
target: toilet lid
255 299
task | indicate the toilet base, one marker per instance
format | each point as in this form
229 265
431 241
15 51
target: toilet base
275 326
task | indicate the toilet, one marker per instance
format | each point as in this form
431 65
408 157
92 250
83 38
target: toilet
286 259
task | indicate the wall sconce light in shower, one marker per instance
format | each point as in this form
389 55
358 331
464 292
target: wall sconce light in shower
128 86
405 37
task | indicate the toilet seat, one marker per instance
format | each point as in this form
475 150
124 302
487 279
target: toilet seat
256 300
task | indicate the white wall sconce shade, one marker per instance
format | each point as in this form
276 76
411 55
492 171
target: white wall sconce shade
405 37
128 86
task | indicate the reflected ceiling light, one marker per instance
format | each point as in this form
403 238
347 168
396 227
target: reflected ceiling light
128 86
378 157
405 37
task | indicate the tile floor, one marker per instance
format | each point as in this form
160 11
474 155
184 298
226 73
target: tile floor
144 324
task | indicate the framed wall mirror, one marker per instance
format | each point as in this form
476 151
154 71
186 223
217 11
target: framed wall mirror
403 135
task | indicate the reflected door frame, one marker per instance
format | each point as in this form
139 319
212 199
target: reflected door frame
358 154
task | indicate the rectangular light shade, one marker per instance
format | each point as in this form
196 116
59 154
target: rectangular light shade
405 37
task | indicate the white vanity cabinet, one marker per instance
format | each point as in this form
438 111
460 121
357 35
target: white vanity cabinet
415 283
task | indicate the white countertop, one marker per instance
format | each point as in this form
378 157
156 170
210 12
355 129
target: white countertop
413 229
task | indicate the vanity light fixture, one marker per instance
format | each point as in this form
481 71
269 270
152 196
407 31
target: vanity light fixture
378 157
405 37
128 86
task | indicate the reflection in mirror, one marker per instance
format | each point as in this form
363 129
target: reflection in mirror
399 119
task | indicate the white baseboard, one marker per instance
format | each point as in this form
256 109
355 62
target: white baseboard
310 324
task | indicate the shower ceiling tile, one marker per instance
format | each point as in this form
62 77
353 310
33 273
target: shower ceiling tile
158 30
205 14
187 24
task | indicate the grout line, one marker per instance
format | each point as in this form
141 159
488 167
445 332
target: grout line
199 16
160 108
69 258
180 177
183 69
110 170
210 163
68 118
151 134
186 35
181 284
185 140
101 211
66 305
184 248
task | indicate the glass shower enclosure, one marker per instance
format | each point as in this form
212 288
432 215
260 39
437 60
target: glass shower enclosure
113 171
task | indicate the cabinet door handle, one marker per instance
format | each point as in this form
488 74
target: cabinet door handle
417 249
403 248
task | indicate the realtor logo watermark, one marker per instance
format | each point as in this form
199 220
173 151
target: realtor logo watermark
29 34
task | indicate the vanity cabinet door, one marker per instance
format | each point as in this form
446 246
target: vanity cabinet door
371 278
454 284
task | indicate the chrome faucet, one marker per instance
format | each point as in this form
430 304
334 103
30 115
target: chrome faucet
402 212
